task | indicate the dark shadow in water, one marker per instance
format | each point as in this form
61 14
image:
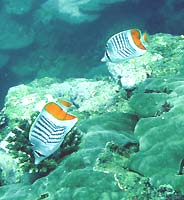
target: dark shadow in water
7 80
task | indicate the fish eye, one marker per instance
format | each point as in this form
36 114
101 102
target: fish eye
39 154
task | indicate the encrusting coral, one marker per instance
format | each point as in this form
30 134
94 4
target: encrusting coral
160 133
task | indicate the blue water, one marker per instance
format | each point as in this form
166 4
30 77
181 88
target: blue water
85 41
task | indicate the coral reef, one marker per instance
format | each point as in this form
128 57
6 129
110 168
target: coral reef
114 159
77 177
128 143
161 59
160 133
129 75
98 170
106 145
88 96
10 172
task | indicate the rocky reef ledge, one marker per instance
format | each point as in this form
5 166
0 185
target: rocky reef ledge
128 143
122 148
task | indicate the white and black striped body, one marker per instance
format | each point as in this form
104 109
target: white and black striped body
47 134
121 47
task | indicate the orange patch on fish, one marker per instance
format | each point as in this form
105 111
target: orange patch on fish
136 38
56 111
65 103
145 37
69 117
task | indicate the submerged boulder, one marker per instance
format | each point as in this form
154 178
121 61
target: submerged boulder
18 7
72 11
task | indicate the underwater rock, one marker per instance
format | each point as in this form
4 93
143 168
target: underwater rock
88 96
160 136
164 57
18 7
149 104
10 172
114 158
14 35
72 11
128 75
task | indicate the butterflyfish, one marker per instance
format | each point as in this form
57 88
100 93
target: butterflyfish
50 128
125 45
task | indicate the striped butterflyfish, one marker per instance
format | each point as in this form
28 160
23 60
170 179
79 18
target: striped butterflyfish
125 45
49 129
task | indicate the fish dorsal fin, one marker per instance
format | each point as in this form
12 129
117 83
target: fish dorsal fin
65 103
145 36
57 112
136 36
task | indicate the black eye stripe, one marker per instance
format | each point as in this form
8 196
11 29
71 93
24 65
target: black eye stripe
107 55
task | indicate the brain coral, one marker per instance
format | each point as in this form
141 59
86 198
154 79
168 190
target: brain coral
161 135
